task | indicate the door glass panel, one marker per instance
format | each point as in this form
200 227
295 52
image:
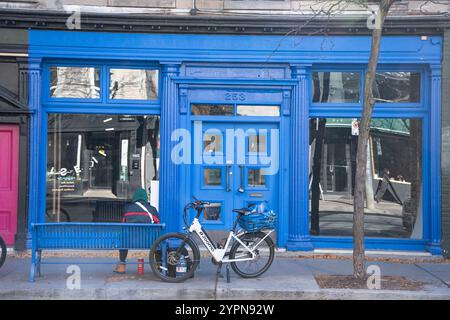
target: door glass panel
75 82
212 211
256 178
212 143
258 111
133 84
212 177
212 110
257 143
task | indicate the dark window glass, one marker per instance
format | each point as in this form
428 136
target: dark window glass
212 110
397 87
336 87
212 212
75 82
257 143
133 84
256 178
212 177
212 142
394 174
96 162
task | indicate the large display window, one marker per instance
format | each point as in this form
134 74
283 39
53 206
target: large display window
96 161
393 205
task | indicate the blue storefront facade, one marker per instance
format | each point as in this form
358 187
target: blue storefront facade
238 82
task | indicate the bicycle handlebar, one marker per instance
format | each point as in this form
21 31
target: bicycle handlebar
197 205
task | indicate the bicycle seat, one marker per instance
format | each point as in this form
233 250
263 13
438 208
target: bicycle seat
242 211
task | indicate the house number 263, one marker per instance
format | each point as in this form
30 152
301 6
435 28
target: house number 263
230 96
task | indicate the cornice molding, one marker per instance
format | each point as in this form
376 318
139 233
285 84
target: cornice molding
140 23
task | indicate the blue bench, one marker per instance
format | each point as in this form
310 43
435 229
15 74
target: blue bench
89 236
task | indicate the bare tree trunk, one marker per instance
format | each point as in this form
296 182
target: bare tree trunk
315 185
361 153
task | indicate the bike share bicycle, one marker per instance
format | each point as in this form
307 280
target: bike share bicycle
2 252
174 257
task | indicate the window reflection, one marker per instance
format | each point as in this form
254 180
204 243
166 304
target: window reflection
394 175
212 211
212 143
397 87
212 110
75 82
96 162
338 87
258 111
257 143
133 84
212 177
256 178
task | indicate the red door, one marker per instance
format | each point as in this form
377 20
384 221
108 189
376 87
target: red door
9 162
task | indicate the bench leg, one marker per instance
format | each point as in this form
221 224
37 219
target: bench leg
39 257
33 266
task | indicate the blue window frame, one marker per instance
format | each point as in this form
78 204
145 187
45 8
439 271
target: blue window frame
104 74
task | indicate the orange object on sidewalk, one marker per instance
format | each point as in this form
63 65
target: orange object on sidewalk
140 268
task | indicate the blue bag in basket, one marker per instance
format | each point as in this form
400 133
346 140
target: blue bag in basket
261 217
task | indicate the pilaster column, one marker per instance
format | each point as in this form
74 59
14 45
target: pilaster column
298 236
35 206
169 187
23 84
435 161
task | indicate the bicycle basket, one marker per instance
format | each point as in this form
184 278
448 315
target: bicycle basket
256 221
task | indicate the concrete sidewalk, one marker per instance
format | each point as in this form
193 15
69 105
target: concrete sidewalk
289 277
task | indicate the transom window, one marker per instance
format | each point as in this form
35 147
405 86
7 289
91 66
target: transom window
238 110
75 82
133 84
85 82
337 87
347 87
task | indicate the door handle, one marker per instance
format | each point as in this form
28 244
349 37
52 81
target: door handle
241 188
227 173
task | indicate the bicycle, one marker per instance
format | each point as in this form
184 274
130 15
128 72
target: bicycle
174 257
2 252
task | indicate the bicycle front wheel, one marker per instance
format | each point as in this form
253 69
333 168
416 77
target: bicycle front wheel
174 257
263 247
2 252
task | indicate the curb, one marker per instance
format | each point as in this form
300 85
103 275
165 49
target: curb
221 294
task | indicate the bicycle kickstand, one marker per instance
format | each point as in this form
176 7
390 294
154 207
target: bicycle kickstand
227 268
219 270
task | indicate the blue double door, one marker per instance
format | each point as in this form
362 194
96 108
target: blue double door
235 165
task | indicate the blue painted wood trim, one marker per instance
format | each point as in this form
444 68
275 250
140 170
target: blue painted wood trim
298 237
231 48
169 188
435 244
34 103
369 243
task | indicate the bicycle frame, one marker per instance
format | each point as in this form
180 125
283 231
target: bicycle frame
219 253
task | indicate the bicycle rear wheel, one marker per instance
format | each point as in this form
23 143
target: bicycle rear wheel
265 254
174 257
2 252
